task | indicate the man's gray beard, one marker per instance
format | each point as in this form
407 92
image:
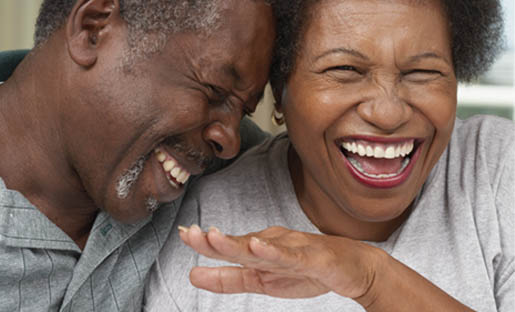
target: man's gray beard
151 204
127 181
129 178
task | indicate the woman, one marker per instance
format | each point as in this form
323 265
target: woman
383 201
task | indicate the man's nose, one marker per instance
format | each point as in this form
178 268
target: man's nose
385 109
223 134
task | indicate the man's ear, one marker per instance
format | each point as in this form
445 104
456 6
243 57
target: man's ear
87 28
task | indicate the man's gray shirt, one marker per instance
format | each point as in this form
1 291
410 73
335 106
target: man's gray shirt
42 269
460 235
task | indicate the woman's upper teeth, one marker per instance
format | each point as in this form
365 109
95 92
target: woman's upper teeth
379 150
171 166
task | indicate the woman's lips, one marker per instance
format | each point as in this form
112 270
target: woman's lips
380 163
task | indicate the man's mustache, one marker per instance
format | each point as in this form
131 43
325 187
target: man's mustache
131 175
179 144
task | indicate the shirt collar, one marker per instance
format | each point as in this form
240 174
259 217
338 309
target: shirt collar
23 225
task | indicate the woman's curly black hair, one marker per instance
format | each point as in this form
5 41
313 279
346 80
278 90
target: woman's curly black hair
476 30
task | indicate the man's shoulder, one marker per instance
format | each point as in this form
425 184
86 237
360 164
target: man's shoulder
9 60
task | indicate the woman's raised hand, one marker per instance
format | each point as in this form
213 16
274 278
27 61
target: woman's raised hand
283 263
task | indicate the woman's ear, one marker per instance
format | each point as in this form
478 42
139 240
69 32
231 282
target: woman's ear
277 114
87 28
277 91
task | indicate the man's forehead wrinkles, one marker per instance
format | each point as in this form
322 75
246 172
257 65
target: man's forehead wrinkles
230 70
224 74
183 46
213 74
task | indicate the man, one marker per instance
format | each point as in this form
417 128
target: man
104 122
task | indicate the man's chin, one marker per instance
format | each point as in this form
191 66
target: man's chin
142 189
152 205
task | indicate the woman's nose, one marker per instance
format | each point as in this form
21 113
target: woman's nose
384 109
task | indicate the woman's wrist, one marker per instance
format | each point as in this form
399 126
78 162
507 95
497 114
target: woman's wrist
378 269
396 287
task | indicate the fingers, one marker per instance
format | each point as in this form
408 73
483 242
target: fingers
295 261
226 280
265 253
197 239
266 250
312 262
231 247
217 245
232 280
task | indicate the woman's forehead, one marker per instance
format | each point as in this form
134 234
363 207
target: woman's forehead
375 21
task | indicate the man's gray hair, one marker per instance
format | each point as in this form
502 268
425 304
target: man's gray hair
150 22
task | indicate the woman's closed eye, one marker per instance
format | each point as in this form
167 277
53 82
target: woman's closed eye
343 68
422 75
344 72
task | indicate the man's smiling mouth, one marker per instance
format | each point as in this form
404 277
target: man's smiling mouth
176 175
169 173
380 164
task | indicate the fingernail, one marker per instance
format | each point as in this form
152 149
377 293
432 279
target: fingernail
195 227
183 229
257 240
215 229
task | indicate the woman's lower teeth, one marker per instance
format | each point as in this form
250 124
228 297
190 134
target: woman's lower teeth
357 165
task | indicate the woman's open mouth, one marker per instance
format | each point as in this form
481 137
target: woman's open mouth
380 164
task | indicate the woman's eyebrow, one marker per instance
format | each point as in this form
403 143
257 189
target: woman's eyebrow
342 51
427 55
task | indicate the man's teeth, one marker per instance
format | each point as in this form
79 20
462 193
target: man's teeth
161 157
172 167
388 151
357 165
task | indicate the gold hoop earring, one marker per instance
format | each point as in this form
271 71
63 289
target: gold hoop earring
277 118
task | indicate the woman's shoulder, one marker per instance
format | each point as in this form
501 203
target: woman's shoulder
474 180
481 143
485 130
481 149
476 177
250 166
245 182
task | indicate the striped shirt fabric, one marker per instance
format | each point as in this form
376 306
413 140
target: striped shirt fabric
42 269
